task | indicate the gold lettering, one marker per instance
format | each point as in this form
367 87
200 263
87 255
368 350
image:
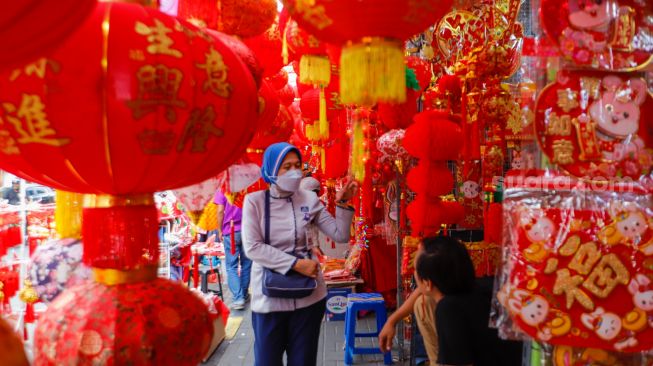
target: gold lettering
157 36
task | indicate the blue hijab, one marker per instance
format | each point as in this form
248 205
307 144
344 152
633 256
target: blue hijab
272 159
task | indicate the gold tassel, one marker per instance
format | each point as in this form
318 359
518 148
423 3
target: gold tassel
322 160
358 152
314 70
373 71
284 45
323 122
68 214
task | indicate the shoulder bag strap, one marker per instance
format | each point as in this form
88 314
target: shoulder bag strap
267 216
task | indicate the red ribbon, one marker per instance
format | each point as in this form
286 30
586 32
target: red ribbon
232 238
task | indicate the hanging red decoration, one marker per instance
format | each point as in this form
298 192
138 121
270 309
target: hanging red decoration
243 18
433 136
267 48
30 29
278 80
372 62
422 69
163 98
280 130
243 52
137 324
287 95
425 216
314 65
493 226
268 106
401 115
431 179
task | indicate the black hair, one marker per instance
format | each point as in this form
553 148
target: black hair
446 263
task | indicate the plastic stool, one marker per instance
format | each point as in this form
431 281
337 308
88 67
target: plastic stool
204 272
355 303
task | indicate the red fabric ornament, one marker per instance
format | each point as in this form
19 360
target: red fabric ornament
395 116
431 179
136 324
287 95
267 47
453 213
310 106
243 18
337 157
422 70
382 25
30 29
125 135
433 136
279 80
425 216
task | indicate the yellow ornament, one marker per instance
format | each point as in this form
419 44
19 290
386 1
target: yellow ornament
28 294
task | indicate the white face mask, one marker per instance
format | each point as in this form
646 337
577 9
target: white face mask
289 182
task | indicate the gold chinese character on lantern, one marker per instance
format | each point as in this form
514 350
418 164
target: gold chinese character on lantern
38 68
156 142
216 73
159 41
606 276
313 14
567 99
7 143
157 86
31 122
558 125
567 284
198 129
563 152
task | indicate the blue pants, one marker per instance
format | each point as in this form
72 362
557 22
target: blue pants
296 333
238 284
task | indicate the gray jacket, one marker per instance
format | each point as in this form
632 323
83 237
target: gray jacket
290 218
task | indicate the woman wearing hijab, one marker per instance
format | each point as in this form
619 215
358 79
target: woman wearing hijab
282 324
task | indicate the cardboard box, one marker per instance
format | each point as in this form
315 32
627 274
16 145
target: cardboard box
336 305
218 336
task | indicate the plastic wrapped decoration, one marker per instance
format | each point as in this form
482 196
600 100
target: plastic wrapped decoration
56 265
594 125
196 196
578 263
390 147
602 34
124 324
574 356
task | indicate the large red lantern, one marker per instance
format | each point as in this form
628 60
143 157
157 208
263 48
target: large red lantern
152 95
155 100
268 48
372 31
131 324
29 29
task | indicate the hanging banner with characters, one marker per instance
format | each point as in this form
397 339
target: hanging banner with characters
593 125
580 269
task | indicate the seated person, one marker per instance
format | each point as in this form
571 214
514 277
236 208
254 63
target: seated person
446 274
424 308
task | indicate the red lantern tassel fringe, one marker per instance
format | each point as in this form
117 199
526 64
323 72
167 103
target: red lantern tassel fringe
121 237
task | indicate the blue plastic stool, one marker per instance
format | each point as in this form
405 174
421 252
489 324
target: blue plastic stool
355 303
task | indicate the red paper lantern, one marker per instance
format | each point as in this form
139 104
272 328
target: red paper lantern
243 52
493 227
268 104
433 136
314 65
373 66
135 324
268 49
279 131
169 98
287 95
30 29
243 18
431 179
425 216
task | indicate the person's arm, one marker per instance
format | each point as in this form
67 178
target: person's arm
264 254
220 215
388 332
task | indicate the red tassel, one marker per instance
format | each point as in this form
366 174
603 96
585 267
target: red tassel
29 314
196 270
232 238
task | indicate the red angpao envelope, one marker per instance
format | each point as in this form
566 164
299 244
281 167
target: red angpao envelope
578 266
